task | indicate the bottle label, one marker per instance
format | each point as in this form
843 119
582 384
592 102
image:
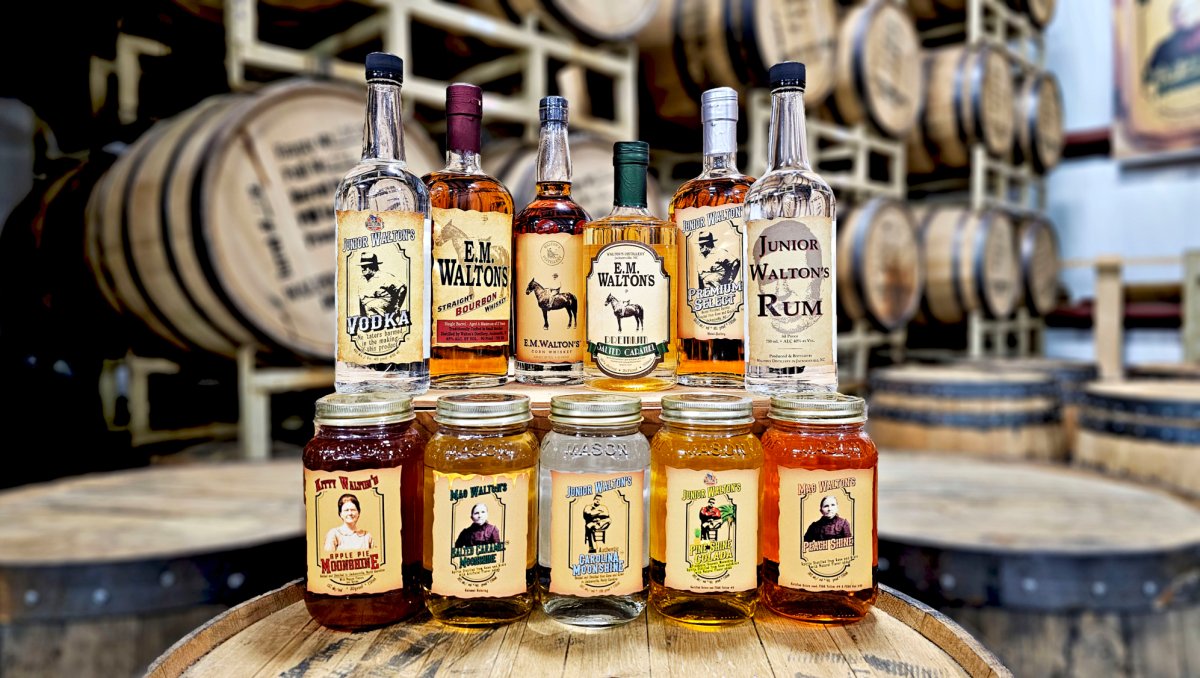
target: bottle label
714 288
712 530
826 529
629 309
353 531
472 271
550 329
480 534
790 294
380 274
596 533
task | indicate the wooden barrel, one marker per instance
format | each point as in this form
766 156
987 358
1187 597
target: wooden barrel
970 264
1059 571
1039 126
880 278
274 635
591 21
961 410
968 100
1148 430
214 228
515 164
1190 371
1037 247
101 573
692 45
878 72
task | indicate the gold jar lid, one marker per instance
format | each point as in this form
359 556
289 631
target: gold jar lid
595 409
707 408
482 409
818 408
363 409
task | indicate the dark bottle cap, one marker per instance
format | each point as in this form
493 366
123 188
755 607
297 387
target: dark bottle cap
631 153
787 74
464 99
385 66
553 109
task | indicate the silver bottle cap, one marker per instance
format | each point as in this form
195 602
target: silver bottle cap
718 116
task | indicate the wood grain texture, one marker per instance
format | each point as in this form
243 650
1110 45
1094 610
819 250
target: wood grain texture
275 636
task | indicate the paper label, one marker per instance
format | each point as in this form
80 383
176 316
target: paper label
472 275
353 531
480 534
550 329
712 530
596 533
713 285
629 309
826 528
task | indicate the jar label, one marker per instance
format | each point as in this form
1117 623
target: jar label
380 287
596 533
629 309
353 531
472 271
714 299
712 530
790 293
480 534
826 529
550 329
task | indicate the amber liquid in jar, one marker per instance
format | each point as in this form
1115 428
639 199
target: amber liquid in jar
344 448
700 469
839 450
480 457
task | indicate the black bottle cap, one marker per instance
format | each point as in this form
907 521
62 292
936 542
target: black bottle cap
385 66
787 74
553 109
631 153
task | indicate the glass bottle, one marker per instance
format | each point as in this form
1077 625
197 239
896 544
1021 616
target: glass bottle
819 511
472 258
707 211
790 295
549 235
480 529
383 231
630 263
364 508
593 560
705 467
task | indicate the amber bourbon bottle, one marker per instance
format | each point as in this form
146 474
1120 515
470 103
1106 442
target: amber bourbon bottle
708 213
631 277
472 257
551 313
383 233
790 211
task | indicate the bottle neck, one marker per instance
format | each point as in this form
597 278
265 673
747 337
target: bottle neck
462 144
788 140
554 154
720 147
629 189
466 162
383 135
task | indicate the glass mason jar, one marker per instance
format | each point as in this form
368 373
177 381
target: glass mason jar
819 531
705 468
480 546
593 556
364 511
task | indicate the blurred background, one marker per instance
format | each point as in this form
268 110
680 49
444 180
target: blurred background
1018 281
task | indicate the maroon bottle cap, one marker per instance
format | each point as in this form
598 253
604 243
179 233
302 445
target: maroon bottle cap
464 112
464 99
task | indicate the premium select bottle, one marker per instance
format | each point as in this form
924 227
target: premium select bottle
630 264
551 314
472 257
708 213
790 212
383 233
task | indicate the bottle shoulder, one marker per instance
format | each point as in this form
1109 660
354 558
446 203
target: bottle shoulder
711 192
618 221
381 186
468 191
551 215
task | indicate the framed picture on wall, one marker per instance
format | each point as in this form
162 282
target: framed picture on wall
1158 77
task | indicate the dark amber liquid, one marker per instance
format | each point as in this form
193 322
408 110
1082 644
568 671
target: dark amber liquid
825 447
353 448
470 365
708 362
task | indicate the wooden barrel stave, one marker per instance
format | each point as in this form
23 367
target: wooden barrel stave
970 263
880 278
968 100
878 70
593 22
1039 262
1039 129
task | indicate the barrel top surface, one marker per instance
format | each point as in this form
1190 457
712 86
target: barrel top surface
161 511
969 504
1162 370
274 635
941 374
1183 390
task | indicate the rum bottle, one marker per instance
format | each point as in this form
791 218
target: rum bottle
383 234
790 213
707 211
472 257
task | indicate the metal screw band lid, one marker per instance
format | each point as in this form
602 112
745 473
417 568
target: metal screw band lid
707 408
818 408
595 409
483 409
363 409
